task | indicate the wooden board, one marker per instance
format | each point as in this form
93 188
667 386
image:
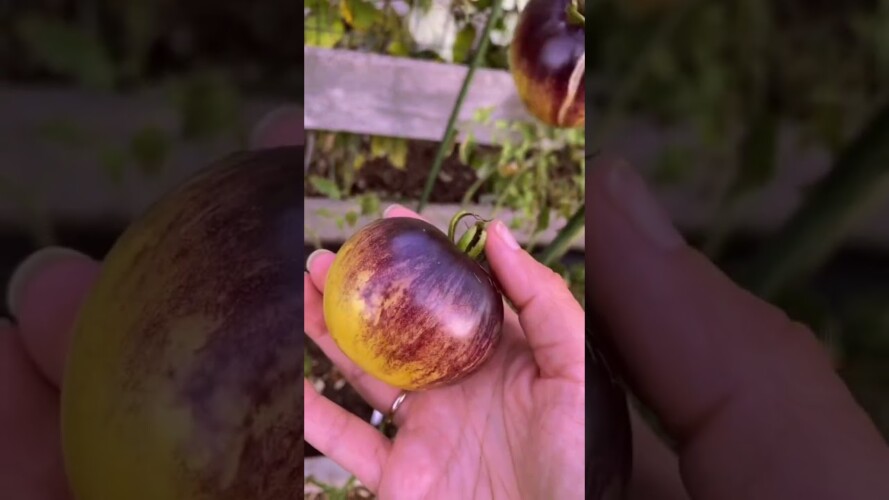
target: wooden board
67 181
321 221
364 93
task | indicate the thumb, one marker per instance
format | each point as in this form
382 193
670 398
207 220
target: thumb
552 319
45 294
750 395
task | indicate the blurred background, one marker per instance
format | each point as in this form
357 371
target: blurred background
762 125
105 106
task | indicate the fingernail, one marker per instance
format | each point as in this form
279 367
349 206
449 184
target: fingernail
313 256
28 269
390 208
505 235
629 193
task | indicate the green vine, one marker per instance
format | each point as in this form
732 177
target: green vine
451 130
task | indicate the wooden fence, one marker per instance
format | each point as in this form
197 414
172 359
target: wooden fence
348 92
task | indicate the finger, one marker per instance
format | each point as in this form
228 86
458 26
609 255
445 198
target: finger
655 471
281 127
345 438
45 293
378 394
397 210
552 319
724 370
31 455
318 264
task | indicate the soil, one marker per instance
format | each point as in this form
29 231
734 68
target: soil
381 177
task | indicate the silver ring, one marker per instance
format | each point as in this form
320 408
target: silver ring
397 404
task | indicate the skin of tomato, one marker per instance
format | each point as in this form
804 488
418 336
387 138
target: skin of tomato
406 306
547 61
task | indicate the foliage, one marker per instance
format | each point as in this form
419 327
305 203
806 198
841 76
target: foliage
348 491
422 29
536 172
113 47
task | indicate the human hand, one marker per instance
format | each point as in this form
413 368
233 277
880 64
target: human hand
44 296
514 429
750 396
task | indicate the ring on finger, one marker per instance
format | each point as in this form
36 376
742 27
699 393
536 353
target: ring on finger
379 418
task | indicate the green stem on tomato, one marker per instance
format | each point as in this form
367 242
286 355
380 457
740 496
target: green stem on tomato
472 243
473 240
452 226
451 129
575 13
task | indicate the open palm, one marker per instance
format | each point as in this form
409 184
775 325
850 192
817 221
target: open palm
514 429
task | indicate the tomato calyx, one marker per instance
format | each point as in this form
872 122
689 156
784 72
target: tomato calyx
472 243
574 12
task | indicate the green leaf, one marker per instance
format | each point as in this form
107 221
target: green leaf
359 161
351 218
463 44
326 187
392 148
370 204
323 28
208 104
543 220
466 148
359 14
398 48
67 50
150 147
379 146
483 115
398 153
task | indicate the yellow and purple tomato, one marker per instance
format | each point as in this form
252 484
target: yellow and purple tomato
547 59
410 307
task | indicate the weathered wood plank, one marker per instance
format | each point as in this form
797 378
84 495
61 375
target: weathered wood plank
320 221
374 94
70 185
68 181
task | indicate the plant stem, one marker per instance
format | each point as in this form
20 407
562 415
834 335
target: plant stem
473 240
452 226
559 245
472 243
858 180
451 129
479 182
